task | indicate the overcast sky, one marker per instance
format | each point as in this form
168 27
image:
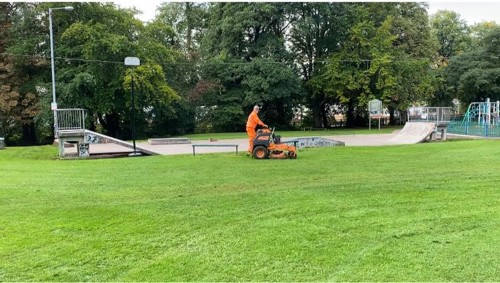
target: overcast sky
472 12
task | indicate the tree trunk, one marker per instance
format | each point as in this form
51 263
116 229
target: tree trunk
324 116
318 109
111 125
351 113
392 119
189 30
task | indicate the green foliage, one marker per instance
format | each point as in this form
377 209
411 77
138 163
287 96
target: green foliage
381 59
317 30
451 32
363 70
479 31
21 76
262 81
150 80
475 76
247 30
204 65
187 20
246 43
105 82
398 213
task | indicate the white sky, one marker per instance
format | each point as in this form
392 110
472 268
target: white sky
472 12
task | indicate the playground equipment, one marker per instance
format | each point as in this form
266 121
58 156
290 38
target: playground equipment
480 119
268 145
482 113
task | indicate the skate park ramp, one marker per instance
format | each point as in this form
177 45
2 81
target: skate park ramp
413 132
92 137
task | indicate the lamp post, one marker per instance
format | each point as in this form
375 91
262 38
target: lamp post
133 61
53 105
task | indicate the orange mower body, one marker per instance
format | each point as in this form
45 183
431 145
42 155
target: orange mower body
268 145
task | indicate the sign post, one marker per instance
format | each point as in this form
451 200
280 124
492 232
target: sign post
374 108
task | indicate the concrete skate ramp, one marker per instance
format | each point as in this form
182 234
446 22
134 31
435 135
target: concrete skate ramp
92 137
413 132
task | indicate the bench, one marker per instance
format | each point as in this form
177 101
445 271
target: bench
207 145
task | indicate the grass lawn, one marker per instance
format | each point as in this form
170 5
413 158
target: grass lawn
425 212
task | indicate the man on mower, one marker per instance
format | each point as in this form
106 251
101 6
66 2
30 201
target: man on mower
252 122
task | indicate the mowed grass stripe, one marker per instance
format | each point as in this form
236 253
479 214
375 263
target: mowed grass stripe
426 212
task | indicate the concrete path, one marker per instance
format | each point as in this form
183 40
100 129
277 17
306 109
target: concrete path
349 140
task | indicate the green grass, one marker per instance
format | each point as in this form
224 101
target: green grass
425 212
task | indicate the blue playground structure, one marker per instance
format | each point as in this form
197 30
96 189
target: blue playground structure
481 119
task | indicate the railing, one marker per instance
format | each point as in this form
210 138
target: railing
437 115
473 127
483 113
481 119
70 119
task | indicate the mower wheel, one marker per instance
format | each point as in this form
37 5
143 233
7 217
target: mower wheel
292 155
260 152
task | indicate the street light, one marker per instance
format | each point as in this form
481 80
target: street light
133 61
53 105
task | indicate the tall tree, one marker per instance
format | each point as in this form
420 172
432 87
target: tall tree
180 27
363 70
8 98
250 64
386 56
451 32
99 41
23 70
188 21
316 32
479 31
452 36
415 49
475 76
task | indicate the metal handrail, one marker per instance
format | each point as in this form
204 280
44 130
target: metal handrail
70 119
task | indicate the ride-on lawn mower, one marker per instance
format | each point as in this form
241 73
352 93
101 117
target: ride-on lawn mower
268 145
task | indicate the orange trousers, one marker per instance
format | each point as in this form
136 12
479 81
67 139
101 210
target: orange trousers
251 136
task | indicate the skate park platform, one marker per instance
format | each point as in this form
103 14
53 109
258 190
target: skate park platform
71 130
175 149
92 143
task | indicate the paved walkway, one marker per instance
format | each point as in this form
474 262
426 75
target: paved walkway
349 140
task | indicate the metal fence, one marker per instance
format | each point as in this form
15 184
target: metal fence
436 115
70 119
481 119
472 127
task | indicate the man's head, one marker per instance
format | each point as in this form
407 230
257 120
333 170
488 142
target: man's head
256 108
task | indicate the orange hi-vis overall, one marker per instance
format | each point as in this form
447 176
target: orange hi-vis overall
253 121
